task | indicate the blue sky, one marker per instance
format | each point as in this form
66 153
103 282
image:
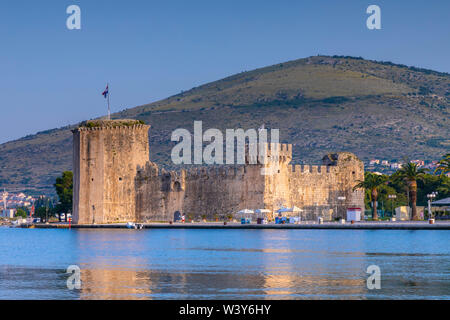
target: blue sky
148 50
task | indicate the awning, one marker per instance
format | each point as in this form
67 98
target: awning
293 209
246 211
263 211
442 202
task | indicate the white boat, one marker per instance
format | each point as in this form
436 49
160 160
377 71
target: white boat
132 225
17 223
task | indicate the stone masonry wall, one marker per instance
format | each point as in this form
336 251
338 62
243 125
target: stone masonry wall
106 158
218 192
114 181
197 193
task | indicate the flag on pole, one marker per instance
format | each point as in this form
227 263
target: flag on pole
105 93
106 96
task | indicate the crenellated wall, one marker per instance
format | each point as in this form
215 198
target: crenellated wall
114 181
218 192
316 189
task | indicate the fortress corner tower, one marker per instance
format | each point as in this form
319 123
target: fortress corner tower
106 156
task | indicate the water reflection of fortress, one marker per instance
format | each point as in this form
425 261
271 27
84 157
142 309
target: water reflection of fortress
151 284
114 181
273 266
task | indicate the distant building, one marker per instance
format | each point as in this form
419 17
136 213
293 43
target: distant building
374 162
385 163
8 213
419 163
396 165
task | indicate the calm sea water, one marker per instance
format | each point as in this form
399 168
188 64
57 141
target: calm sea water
224 264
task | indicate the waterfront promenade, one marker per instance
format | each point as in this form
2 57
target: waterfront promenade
367 225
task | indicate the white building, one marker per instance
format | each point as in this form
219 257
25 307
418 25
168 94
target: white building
396 165
8 213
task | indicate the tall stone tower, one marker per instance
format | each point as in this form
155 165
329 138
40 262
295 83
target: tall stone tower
106 154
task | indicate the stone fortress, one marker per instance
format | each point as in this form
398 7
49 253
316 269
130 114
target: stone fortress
114 181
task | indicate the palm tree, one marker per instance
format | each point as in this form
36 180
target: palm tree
372 182
444 165
444 188
411 173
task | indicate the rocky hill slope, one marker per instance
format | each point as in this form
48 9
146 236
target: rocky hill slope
320 104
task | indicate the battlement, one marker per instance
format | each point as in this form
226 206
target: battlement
151 170
122 124
281 149
271 152
339 159
275 152
311 169
222 172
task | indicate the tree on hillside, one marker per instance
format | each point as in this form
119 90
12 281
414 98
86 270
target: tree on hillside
64 189
372 182
410 173
444 165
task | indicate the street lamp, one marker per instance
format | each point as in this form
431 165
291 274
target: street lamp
430 197
392 197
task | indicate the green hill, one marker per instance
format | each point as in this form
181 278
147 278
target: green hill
320 104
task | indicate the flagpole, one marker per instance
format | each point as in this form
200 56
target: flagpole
109 109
